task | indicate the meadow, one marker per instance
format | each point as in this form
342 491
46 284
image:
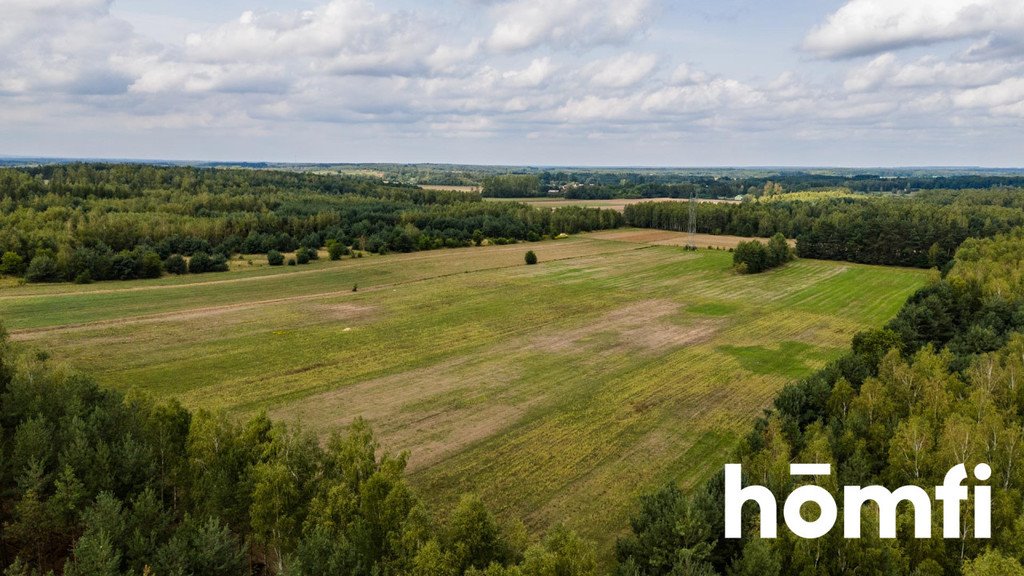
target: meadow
558 392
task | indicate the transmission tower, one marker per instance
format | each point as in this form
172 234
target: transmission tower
693 219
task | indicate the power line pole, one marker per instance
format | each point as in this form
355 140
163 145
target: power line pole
693 219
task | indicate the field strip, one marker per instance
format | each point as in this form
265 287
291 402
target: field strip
348 264
186 313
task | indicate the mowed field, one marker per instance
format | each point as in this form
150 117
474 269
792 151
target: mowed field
559 392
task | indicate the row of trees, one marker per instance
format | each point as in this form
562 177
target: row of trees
754 256
84 265
94 218
938 386
922 232
95 483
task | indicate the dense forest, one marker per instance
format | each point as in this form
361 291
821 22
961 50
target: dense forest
95 483
100 222
923 230
939 385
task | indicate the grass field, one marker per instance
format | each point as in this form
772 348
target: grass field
558 392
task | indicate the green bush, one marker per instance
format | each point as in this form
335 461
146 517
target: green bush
202 262
531 258
335 250
751 257
175 264
779 250
275 258
754 256
11 264
43 268
199 263
151 266
302 256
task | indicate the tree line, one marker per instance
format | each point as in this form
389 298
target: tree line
916 231
103 222
937 386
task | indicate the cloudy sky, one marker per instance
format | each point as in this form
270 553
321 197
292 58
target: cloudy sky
583 82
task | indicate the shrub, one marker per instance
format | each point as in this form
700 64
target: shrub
42 268
84 277
302 256
11 264
275 258
151 266
175 264
218 263
336 250
753 257
291 262
531 258
199 263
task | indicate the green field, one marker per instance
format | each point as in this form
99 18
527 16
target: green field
558 392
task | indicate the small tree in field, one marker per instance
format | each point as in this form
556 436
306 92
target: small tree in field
531 258
275 258
779 250
335 249
750 257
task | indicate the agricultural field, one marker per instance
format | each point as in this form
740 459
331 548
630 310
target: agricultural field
669 238
558 392
452 187
617 204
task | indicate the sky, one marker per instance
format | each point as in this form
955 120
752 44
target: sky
514 82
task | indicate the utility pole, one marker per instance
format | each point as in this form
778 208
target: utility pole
693 219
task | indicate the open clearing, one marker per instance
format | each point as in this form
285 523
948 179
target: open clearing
450 187
668 238
618 204
557 391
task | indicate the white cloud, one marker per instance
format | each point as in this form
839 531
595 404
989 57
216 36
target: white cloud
685 74
77 47
720 94
1009 92
526 24
621 71
553 71
928 71
863 27
534 75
